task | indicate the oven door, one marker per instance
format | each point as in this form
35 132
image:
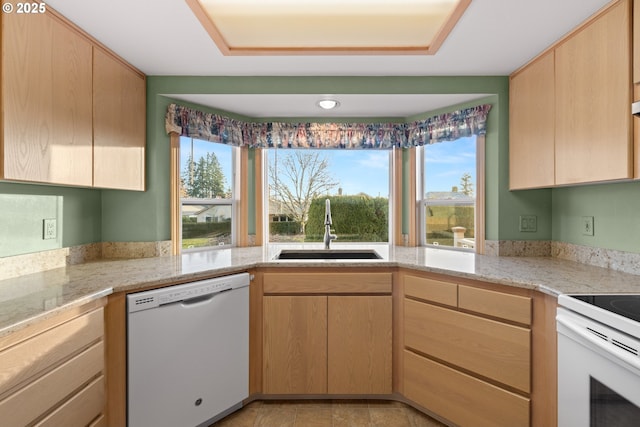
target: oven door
598 381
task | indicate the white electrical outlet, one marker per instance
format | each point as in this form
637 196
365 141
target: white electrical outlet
49 229
587 225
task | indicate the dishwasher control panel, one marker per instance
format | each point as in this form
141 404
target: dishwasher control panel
157 297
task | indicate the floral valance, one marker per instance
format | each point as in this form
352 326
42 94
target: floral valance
193 123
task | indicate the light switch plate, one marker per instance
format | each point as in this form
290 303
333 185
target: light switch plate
528 223
49 229
587 225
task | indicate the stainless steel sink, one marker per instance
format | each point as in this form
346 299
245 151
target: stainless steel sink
328 254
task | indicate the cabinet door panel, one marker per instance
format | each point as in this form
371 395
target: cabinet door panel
47 102
359 346
532 125
27 83
72 143
119 124
295 344
465 400
489 348
593 94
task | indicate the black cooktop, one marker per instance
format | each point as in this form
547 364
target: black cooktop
624 305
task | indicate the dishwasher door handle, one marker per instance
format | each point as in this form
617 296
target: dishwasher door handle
201 300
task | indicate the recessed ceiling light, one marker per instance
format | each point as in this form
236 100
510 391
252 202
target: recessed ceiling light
357 27
328 104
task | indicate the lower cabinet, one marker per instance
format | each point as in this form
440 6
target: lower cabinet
467 352
52 374
330 343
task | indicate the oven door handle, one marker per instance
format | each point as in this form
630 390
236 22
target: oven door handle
610 350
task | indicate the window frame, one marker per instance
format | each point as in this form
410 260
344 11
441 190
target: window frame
422 203
392 214
178 202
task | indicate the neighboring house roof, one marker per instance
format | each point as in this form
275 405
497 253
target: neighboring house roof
455 196
276 207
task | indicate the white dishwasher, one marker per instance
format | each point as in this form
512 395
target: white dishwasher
188 352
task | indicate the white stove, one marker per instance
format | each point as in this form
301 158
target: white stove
598 360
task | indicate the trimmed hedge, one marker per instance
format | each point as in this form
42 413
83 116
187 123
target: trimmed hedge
355 219
285 228
191 230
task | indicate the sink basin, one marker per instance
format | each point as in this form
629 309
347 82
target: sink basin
328 254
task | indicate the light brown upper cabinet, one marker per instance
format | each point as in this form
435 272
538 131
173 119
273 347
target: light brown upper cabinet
593 98
531 125
570 108
46 80
119 124
72 113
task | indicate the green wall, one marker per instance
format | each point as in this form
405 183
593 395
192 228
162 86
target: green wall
615 208
81 216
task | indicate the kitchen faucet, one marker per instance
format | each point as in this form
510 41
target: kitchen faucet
328 237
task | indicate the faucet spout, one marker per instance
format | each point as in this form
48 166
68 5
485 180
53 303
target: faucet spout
328 237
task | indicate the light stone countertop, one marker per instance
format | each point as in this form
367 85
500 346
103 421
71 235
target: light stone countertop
35 297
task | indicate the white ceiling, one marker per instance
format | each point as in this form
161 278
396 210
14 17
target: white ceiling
163 37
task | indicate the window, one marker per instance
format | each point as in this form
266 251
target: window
450 194
207 194
300 180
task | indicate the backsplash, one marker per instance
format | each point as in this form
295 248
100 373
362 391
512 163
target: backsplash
20 265
628 262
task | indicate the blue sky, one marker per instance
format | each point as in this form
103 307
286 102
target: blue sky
367 171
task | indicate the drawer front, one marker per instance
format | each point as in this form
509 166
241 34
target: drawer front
489 348
333 283
460 398
31 357
497 304
38 397
81 410
431 290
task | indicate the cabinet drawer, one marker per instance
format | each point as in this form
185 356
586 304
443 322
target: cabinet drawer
334 283
46 392
81 409
497 304
431 290
31 357
460 398
489 348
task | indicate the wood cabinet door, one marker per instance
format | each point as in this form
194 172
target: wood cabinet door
295 344
46 76
532 125
593 95
359 345
119 124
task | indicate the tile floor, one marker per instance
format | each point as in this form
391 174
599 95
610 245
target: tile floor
327 413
